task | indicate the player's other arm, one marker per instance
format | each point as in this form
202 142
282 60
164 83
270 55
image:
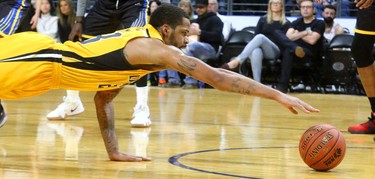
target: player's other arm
105 114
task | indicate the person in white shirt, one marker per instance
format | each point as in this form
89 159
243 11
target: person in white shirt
332 28
47 23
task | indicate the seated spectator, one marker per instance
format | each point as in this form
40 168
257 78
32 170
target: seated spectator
332 28
227 24
47 23
207 29
306 32
263 46
66 14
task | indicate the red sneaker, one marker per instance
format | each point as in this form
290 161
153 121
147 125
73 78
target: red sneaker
364 128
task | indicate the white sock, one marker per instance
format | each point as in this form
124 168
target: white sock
72 95
142 95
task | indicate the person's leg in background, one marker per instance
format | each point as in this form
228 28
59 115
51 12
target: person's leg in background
137 17
174 80
162 78
201 51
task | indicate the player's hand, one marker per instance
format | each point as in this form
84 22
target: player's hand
76 32
362 4
119 156
293 103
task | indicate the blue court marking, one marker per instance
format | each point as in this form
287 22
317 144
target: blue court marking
174 159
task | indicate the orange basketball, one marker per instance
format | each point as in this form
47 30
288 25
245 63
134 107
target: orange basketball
322 147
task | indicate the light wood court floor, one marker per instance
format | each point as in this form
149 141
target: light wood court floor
195 134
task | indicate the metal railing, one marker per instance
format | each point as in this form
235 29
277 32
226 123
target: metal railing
259 7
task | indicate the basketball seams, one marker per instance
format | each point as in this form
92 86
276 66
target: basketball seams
333 147
316 138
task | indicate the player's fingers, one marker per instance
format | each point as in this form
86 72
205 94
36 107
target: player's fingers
145 158
291 109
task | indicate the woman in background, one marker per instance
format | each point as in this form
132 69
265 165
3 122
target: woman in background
263 44
66 14
47 23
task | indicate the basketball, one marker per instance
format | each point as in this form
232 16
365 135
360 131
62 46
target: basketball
322 147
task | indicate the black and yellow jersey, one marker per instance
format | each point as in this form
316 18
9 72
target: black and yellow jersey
365 21
31 63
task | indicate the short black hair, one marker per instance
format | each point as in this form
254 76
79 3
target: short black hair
167 14
330 7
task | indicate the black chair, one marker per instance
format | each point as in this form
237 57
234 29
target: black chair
250 29
339 67
234 45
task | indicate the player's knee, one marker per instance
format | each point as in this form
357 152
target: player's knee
363 58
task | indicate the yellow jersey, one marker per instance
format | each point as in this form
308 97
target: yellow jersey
32 63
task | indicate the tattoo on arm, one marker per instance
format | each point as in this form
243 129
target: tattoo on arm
236 87
187 65
104 110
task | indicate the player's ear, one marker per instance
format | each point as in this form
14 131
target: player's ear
165 29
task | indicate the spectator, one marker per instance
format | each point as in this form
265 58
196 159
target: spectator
306 32
187 6
332 28
227 24
207 29
263 44
66 14
47 23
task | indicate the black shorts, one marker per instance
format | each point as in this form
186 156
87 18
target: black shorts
107 16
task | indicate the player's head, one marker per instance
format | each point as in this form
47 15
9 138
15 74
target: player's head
172 23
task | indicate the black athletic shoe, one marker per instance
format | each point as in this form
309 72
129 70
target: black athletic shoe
3 116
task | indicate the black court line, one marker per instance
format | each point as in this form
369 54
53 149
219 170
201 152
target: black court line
174 160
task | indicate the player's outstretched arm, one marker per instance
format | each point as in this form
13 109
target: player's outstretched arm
105 114
233 82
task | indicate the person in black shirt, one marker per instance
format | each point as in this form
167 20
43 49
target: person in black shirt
66 14
262 45
306 32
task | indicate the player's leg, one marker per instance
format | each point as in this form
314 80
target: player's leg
135 15
361 50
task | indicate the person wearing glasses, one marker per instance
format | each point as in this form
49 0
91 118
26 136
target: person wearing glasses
306 32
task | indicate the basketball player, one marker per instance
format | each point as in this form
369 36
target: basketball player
362 47
107 62
107 16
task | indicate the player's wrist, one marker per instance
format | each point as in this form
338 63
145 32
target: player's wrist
78 19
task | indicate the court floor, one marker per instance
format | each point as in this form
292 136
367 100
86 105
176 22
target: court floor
203 133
